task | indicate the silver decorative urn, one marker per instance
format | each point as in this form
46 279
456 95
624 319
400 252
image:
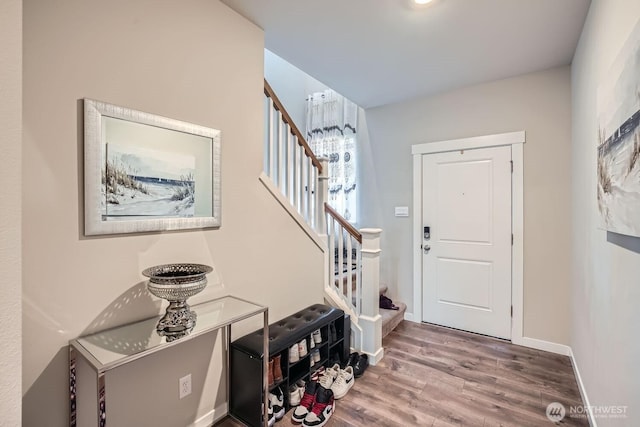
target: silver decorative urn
176 283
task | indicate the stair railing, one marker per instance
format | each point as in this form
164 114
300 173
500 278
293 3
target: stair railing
354 276
352 257
291 164
345 259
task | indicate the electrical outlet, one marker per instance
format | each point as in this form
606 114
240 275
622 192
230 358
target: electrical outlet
185 386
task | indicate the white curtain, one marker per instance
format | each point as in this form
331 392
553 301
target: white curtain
331 132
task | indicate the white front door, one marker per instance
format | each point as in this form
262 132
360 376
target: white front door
467 259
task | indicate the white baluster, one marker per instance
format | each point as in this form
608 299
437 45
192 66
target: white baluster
341 261
291 145
331 234
272 141
348 263
358 278
309 179
313 211
301 189
267 130
322 195
296 173
305 187
280 154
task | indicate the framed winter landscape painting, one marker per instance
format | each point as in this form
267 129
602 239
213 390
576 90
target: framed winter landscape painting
144 172
619 141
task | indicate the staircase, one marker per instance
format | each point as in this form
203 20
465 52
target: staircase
391 318
351 257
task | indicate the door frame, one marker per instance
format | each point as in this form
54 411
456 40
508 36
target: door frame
516 141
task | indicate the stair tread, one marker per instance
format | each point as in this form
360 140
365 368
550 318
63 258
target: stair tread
392 318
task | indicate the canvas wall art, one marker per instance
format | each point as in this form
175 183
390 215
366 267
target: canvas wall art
148 173
619 141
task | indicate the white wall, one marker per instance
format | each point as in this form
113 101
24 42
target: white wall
605 293
10 213
196 61
292 86
537 103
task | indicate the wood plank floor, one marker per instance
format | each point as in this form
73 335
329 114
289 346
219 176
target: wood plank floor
434 376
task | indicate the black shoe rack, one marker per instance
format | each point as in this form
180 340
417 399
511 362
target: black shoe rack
245 401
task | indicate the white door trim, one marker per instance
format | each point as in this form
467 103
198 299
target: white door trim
515 140
485 141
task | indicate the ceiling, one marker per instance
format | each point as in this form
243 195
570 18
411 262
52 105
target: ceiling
377 52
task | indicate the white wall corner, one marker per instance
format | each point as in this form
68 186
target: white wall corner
583 390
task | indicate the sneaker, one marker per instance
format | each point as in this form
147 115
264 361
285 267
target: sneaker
329 376
343 383
306 403
322 409
353 359
317 336
294 356
361 365
271 418
295 393
276 403
312 343
302 348
315 356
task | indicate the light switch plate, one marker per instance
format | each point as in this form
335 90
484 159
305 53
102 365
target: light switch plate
402 210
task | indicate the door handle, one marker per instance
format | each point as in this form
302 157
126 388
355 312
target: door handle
426 249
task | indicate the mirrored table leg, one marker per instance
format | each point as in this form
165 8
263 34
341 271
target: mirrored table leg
102 404
265 369
72 387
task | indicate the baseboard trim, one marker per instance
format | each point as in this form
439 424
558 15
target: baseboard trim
212 417
409 317
549 346
375 358
583 390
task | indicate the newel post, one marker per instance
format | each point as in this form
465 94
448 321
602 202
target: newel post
370 319
322 197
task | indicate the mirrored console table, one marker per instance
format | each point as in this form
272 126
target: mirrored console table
115 347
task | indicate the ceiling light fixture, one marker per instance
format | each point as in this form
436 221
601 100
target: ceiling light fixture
422 1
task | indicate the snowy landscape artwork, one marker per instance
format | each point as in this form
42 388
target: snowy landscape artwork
144 172
141 182
619 142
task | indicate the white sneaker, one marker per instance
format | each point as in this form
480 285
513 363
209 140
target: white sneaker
317 336
295 393
343 382
276 404
329 376
302 348
271 419
294 356
312 343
